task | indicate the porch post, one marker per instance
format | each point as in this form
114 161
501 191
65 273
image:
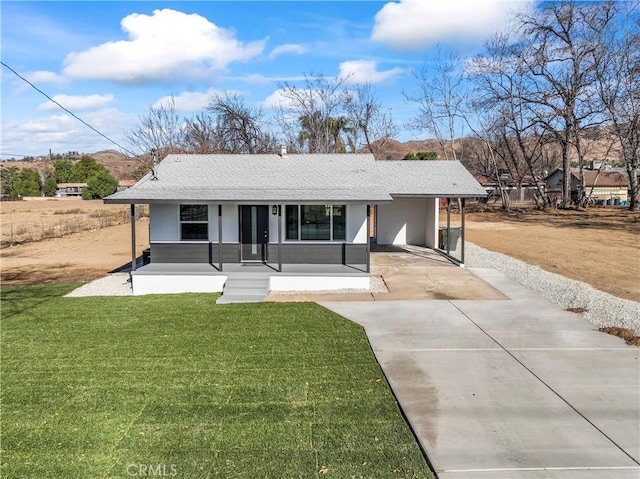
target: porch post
462 231
280 238
368 270
448 224
133 237
220 237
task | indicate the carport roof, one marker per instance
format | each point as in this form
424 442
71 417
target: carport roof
297 178
429 179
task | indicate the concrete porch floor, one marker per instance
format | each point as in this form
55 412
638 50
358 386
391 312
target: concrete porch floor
410 273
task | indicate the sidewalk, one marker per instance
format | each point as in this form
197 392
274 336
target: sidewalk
512 388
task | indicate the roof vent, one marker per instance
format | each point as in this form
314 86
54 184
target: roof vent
283 151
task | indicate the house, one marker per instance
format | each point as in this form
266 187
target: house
69 190
601 186
124 184
524 190
303 219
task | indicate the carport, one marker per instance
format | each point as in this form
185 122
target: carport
413 217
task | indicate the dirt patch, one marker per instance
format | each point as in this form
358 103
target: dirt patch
35 219
80 256
577 310
629 336
598 246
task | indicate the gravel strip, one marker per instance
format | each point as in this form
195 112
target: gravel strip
377 286
116 284
603 309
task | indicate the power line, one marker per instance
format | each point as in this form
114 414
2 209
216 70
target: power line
65 109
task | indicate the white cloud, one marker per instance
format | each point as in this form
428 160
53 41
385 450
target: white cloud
187 101
276 100
44 77
75 103
288 48
62 133
365 71
414 24
164 45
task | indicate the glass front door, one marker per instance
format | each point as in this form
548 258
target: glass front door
254 232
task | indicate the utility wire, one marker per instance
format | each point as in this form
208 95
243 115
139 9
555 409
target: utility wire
70 113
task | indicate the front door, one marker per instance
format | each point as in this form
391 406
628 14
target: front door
254 232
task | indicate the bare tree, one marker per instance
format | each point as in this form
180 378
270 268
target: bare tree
618 83
371 126
440 100
307 113
201 135
560 40
239 128
161 129
500 82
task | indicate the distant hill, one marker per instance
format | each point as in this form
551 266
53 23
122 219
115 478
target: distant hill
594 143
121 166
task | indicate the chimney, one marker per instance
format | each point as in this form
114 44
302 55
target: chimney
283 151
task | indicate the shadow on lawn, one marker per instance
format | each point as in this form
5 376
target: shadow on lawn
18 299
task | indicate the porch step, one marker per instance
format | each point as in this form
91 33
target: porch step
244 288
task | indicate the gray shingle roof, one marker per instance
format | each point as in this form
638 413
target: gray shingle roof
429 178
296 178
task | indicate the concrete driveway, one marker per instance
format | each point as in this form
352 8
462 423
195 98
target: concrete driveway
513 388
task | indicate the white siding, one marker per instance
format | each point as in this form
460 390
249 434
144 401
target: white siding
357 224
230 224
164 223
404 221
213 223
273 225
432 220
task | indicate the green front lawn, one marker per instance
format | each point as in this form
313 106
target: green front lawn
177 386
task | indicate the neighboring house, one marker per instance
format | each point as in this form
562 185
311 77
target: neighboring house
603 185
523 190
64 190
124 184
305 216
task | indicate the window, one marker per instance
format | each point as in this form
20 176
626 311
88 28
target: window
291 214
316 222
339 222
194 222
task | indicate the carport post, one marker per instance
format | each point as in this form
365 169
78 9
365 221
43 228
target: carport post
463 208
220 237
133 237
448 224
368 236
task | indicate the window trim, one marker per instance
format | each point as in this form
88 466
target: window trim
181 222
331 230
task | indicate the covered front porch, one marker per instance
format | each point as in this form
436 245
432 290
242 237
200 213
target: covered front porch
246 282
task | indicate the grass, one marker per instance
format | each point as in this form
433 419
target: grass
179 386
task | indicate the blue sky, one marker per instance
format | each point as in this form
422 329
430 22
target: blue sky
107 62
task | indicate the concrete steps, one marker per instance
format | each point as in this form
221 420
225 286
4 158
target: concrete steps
244 288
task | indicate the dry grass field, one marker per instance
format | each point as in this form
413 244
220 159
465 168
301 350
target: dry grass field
60 240
599 246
